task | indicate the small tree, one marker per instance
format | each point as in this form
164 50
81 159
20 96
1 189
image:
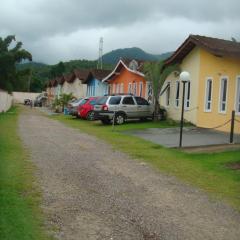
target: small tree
157 73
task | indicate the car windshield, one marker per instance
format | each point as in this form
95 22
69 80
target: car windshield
101 100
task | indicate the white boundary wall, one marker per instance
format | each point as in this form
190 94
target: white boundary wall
6 101
18 97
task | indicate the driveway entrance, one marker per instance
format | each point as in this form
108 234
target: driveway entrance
192 136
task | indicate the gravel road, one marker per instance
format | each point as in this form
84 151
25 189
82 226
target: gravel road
92 192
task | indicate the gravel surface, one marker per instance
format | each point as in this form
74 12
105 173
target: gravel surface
91 191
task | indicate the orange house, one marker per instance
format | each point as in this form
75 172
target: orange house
127 77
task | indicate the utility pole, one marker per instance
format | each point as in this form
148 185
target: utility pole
100 54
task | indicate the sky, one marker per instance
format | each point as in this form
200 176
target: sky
62 30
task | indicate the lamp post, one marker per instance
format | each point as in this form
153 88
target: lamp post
184 77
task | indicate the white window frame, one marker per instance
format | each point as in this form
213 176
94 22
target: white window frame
206 101
117 88
114 88
177 100
121 88
220 96
187 100
167 95
237 98
129 87
134 88
140 89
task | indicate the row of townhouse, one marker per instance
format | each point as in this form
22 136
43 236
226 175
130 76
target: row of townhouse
211 95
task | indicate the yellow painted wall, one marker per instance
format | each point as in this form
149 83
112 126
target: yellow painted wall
191 64
217 67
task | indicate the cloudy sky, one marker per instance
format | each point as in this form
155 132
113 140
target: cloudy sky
54 30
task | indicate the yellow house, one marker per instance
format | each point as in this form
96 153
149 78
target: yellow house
214 88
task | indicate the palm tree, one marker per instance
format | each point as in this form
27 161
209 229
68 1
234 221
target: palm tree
157 73
65 98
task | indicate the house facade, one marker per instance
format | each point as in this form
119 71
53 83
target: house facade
95 85
77 84
127 77
66 84
214 88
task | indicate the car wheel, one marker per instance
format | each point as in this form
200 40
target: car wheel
106 121
119 118
90 116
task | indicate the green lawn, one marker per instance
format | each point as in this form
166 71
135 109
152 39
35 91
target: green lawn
20 217
207 171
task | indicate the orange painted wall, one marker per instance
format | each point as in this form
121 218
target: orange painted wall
127 77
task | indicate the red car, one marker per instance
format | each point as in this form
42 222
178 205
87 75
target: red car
85 110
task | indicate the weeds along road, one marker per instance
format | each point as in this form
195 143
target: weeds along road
91 191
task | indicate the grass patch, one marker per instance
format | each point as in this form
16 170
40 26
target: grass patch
20 217
207 171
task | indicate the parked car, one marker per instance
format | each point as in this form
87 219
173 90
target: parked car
27 101
85 109
40 100
122 107
73 106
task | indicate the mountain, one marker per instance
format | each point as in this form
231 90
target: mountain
132 53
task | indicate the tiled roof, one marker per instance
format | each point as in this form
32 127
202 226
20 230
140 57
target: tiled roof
217 47
81 74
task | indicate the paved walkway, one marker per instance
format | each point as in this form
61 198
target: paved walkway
93 192
192 136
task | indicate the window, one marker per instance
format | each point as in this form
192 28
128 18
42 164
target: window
140 88
168 95
177 93
130 88
92 102
134 91
223 95
208 95
117 88
121 88
102 100
187 95
114 88
128 101
114 100
238 96
141 101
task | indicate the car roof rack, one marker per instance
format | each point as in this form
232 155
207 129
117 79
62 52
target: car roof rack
119 94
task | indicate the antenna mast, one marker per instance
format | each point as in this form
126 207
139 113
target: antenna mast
100 53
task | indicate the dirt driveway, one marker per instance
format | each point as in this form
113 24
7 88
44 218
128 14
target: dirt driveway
93 192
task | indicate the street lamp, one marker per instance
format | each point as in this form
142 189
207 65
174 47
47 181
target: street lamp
184 78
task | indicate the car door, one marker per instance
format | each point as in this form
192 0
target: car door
129 106
144 108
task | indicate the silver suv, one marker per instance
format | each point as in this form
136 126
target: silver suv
122 107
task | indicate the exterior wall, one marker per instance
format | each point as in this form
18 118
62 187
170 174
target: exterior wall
78 89
191 64
18 97
215 68
6 101
96 88
120 84
66 88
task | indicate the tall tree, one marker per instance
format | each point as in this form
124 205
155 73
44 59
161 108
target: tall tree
157 73
9 56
